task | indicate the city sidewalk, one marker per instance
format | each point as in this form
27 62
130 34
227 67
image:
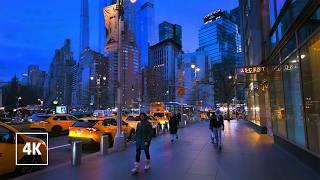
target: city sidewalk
245 155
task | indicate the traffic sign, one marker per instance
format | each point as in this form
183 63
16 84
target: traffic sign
181 91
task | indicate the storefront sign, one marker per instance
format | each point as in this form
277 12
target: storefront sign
252 69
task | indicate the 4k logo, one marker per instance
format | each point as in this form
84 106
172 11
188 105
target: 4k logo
32 148
26 151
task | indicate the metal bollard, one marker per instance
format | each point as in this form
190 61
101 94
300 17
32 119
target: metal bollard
76 153
104 145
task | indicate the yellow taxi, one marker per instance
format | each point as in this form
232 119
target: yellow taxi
133 120
8 151
203 115
90 129
162 117
55 123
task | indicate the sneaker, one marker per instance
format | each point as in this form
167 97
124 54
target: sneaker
220 147
135 169
147 165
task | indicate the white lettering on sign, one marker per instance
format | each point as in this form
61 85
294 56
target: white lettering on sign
252 69
32 148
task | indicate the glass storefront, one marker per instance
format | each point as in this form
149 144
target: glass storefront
294 80
310 66
277 103
253 103
293 100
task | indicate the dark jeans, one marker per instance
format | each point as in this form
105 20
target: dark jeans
146 151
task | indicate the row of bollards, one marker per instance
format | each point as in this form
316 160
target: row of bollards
77 150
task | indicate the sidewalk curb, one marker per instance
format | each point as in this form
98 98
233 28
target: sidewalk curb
34 174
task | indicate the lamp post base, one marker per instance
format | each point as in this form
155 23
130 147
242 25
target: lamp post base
119 142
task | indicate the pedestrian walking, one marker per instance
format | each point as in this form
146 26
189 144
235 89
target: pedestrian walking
173 127
212 117
216 126
143 140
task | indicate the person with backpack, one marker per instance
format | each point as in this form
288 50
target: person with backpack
216 125
143 140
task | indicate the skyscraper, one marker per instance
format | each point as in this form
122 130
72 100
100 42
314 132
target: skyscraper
170 31
92 87
131 56
60 77
163 58
146 35
84 25
36 78
219 37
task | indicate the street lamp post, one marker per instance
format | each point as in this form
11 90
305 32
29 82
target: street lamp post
119 138
196 70
98 83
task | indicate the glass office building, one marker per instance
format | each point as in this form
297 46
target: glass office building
170 31
290 33
219 37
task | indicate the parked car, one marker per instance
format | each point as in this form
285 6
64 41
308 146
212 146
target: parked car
90 129
55 123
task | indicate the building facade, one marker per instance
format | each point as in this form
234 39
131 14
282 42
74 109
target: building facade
284 98
198 84
60 77
163 58
36 79
131 76
219 37
91 87
131 61
170 31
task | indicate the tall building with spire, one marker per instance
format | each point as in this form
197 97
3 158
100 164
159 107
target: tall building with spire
84 26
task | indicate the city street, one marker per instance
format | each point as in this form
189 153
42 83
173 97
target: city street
245 155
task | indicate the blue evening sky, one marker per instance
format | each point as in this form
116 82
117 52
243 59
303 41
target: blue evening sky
31 30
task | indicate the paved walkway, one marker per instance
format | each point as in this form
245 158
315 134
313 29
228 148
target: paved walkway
245 155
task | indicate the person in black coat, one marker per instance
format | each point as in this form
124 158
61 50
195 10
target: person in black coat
212 116
173 127
216 125
143 140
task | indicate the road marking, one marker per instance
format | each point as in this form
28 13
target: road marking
57 147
